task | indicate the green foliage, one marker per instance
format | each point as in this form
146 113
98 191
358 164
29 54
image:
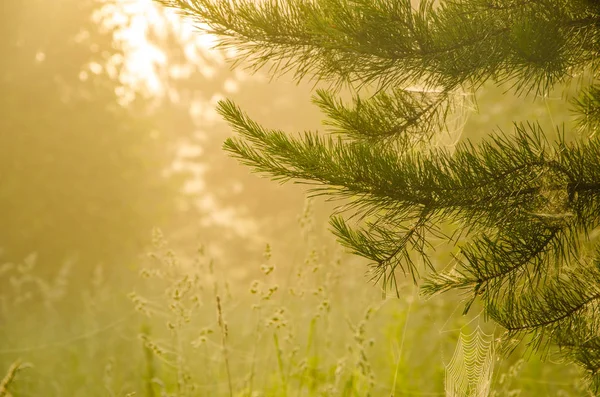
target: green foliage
521 209
389 43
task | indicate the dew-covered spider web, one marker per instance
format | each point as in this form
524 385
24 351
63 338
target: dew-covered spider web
469 372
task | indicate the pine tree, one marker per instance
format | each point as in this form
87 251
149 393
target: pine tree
524 209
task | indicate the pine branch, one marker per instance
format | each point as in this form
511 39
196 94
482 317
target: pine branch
568 299
489 261
482 187
525 208
403 117
588 107
389 44
388 246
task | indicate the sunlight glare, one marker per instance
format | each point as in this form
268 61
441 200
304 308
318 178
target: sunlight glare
135 21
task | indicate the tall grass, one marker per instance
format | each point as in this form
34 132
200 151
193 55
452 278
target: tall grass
302 321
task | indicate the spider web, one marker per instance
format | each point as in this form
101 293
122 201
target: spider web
469 372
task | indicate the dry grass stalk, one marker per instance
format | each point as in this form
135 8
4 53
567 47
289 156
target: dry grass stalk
224 334
9 377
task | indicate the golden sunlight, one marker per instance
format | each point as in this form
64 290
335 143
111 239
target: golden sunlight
134 21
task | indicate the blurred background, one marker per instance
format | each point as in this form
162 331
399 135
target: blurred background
117 204
109 130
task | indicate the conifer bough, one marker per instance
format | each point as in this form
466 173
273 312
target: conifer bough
527 207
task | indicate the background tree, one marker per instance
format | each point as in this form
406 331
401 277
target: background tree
90 161
81 172
521 208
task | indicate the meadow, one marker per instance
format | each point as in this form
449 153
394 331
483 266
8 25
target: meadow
303 321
